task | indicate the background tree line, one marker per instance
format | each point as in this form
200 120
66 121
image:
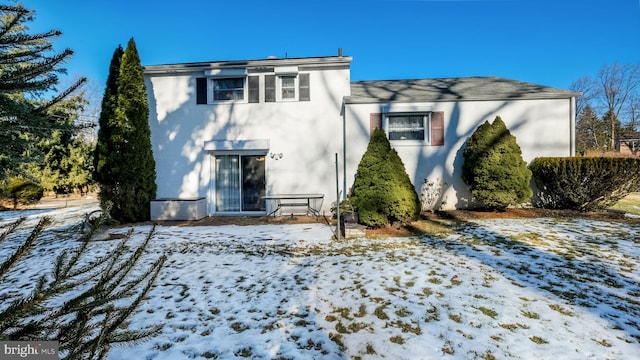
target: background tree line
85 301
46 142
609 108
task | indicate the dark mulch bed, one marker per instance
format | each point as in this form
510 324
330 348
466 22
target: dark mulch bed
458 215
519 213
250 220
515 213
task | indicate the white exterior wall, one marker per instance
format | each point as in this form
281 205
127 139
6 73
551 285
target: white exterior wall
306 133
541 128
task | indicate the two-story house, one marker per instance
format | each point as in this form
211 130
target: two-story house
229 136
226 134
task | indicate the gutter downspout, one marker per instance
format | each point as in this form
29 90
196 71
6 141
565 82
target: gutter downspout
572 126
344 151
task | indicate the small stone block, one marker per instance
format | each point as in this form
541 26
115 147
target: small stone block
354 230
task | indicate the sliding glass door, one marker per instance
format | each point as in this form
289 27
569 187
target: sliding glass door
240 183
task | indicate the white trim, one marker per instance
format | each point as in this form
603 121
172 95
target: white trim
225 72
407 108
279 88
286 70
243 147
426 116
211 94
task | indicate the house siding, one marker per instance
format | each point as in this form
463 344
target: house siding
303 136
541 127
306 133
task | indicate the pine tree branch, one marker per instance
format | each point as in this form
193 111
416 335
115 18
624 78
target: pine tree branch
20 14
64 94
89 323
11 228
6 265
157 267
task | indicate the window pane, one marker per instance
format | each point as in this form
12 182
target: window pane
288 81
228 89
406 135
404 122
288 87
227 183
228 83
406 127
288 93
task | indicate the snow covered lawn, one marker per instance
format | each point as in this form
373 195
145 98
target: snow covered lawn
494 289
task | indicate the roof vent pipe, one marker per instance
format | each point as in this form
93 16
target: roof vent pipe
340 52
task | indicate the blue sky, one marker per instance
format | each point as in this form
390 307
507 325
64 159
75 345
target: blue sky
549 42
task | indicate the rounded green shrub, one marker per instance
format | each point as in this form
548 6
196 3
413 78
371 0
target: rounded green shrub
382 192
24 191
493 167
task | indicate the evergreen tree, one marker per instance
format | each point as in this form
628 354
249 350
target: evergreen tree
126 173
62 160
80 164
382 192
101 165
493 167
28 69
85 302
591 132
405 204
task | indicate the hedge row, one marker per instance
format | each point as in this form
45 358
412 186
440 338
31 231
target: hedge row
583 183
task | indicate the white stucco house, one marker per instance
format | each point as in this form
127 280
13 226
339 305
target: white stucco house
256 136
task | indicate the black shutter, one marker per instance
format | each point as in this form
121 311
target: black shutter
254 89
303 84
437 128
201 90
270 88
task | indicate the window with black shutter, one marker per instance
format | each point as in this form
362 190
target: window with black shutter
254 89
305 90
201 90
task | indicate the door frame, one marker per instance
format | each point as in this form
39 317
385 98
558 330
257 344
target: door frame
212 182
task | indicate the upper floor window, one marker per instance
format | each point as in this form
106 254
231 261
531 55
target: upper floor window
288 87
253 88
228 89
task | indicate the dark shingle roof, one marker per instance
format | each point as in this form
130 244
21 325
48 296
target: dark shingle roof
451 89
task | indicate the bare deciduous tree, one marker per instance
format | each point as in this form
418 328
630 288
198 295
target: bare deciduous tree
616 89
585 86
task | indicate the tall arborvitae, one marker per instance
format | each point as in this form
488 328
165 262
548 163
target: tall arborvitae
102 172
493 167
131 181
